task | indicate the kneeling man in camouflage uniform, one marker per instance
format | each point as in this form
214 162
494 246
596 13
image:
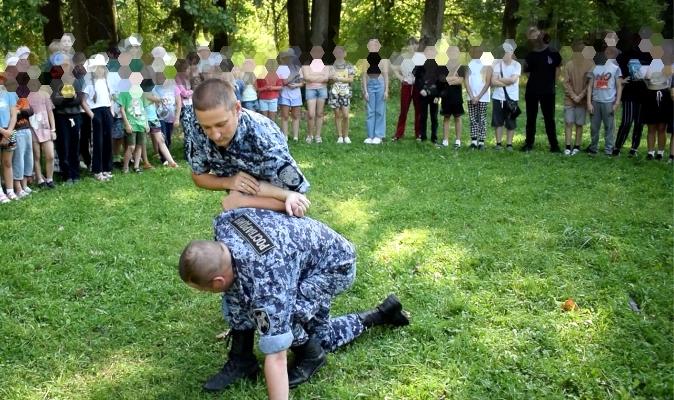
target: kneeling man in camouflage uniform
279 274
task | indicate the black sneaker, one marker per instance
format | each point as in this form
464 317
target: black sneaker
51 185
480 146
632 153
650 156
658 156
42 185
498 147
526 149
591 152
232 371
473 146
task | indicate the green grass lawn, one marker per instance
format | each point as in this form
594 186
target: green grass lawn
481 247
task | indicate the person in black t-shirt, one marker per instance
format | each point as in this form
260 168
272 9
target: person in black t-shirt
450 86
634 92
542 65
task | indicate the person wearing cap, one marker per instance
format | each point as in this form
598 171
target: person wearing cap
505 81
98 100
279 275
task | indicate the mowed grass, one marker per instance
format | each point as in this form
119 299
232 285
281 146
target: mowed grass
481 247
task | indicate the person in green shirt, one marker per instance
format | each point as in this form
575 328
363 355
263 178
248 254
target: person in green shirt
136 126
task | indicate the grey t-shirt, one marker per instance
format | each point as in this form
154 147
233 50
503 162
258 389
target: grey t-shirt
604 81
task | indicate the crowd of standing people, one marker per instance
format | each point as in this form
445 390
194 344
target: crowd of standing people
92 118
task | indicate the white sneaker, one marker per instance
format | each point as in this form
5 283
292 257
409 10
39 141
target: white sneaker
445 143
107 174
575 151
376 141
457 144
22 194
368 141
340 140
3 198
28 190
567 152
309 139
319 140
347 140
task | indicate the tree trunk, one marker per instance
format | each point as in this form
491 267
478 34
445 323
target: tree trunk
510 20
298 24
320 21
53 28
221 38
139 17
186 36
335 19
96 25
431 27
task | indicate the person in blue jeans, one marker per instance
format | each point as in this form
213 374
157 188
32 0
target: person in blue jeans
375 92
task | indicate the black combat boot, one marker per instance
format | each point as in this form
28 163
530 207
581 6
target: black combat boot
389 312
309 358
241 363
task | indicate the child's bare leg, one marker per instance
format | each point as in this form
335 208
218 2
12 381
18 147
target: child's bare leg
320 104
445 129
295 115
285 113
7 169
37 167
458 127
127 156
48 151
163 150
568 130
345 121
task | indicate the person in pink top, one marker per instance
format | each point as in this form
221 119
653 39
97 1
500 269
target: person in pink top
316 78
44 133
268 90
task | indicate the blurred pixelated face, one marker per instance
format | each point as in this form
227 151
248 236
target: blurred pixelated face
508 56
99 72
66 42
339 53
219 123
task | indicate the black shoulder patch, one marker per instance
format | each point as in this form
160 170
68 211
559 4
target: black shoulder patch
261 320
252 234
290 176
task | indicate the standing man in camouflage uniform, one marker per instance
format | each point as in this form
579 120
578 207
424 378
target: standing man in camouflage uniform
241 151
279 275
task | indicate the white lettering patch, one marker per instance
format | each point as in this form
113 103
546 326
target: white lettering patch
252 234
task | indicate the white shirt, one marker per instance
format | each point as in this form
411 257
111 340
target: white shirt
514 69
477 76
100 89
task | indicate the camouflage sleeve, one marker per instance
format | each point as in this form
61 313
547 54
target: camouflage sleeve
196 149
234 313
272 316
279 167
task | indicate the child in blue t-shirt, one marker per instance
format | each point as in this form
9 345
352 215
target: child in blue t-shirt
8 113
